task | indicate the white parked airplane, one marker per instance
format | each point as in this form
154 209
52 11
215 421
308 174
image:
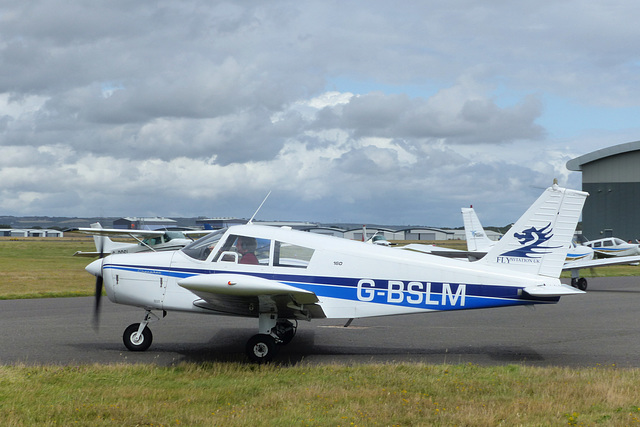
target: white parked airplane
578 256
612 246
280 276
148 240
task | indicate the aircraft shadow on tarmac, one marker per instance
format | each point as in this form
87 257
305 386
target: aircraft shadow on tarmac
228 345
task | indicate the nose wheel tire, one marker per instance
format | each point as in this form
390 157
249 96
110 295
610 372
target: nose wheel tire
261 348
134 341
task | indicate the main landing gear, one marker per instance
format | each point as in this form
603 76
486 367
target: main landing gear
274 332
579 282
261 348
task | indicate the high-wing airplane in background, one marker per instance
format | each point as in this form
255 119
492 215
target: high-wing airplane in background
612 246
578 256
148 240
280 276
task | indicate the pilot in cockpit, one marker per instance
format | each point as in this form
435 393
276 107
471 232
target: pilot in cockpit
246 247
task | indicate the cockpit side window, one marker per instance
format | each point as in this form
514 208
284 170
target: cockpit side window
290 255
170 235
244 250
152 241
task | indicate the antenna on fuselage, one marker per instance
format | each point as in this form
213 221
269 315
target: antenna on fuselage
256 212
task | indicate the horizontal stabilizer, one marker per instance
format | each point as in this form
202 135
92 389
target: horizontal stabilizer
244 285
552 291
87 254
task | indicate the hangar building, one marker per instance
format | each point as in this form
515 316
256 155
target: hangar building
612 178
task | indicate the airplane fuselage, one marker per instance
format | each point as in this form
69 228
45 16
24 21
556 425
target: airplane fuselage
350 279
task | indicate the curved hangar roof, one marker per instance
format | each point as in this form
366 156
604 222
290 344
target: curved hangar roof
576 164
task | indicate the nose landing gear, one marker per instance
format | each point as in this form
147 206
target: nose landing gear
137 336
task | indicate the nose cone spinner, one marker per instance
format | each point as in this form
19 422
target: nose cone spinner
95 268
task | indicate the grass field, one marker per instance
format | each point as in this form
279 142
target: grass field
31 268
238 394
330 395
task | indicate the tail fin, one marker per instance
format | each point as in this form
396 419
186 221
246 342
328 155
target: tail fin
103 243
477 240
539 241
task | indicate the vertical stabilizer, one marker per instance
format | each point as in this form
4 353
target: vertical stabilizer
104 244
539 241
477 240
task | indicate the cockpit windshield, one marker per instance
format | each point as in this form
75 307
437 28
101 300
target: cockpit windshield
201 248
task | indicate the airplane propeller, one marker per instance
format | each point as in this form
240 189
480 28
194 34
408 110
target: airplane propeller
99 285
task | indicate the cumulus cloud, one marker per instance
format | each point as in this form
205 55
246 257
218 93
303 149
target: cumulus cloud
201 108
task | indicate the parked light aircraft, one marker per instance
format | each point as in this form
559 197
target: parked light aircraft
578 256
376 239
612 246
280 276
148 240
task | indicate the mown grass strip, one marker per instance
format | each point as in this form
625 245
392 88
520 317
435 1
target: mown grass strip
237 394
44 268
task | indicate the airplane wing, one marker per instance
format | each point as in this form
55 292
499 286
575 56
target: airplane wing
115 232
570 265
244 294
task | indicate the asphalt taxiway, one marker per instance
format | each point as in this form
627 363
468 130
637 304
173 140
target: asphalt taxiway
599 328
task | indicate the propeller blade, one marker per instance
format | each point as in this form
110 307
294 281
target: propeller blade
96 309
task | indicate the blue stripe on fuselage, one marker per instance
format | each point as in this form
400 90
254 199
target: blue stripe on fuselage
416 294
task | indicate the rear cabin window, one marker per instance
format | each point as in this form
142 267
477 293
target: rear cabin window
290 255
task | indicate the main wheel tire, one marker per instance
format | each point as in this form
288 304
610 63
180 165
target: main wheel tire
135 342
582 284
261 348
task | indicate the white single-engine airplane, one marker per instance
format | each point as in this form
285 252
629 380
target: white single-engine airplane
578 256
613 247
277 275
148 240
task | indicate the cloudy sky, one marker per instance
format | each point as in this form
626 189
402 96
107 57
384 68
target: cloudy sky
361 111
